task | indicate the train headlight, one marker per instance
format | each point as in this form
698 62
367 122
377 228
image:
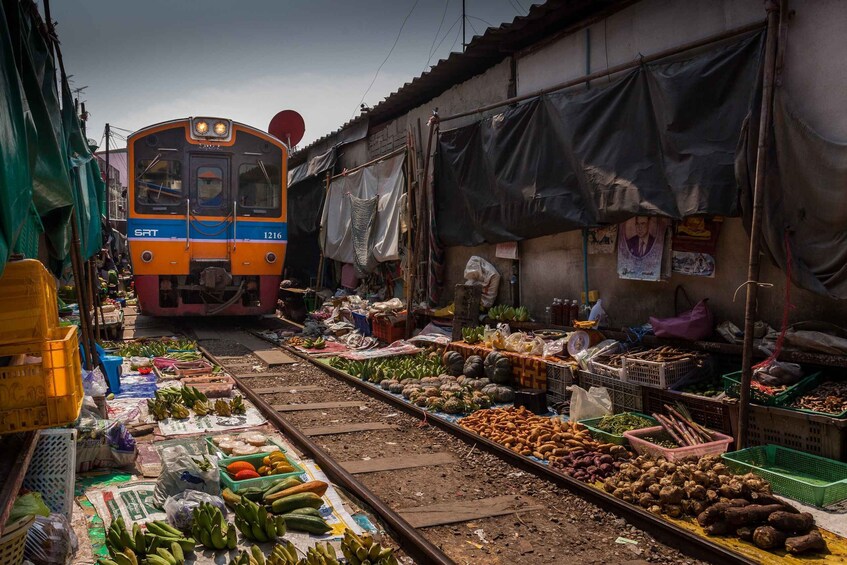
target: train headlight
221 128
270 257
201 127
146 256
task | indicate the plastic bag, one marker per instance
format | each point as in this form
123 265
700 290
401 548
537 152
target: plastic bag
27 504
182 471
140 362
180 507
50 541
553 348
481 272
495 338
93 382
515 342
595 403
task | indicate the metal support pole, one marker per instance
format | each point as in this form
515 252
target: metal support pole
108 180
756 227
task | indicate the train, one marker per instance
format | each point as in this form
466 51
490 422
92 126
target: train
206 218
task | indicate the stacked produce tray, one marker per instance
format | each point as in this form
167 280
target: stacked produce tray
807 387
810 433
807 478
714 413
732 386
626 397
644 447
609 437
559 378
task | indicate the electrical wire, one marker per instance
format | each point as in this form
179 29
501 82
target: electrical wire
458 33
486 22
446 35
475 32
390 51
437 32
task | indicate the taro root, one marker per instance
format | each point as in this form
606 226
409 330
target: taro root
768 537
673 510
792 523
671 495
655 509
697 492
750 515
654 490
745 533
645 500
716 529
801 544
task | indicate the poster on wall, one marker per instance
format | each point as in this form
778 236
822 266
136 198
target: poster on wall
695 240
641 244
602 240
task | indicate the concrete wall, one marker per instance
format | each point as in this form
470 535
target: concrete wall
815 78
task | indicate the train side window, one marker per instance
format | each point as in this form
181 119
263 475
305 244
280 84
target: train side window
159 183
210 186
259 187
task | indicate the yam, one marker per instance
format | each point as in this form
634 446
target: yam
767 498
750 515
744 533
768 537
712 514
792 523
813 541
671 495
717 529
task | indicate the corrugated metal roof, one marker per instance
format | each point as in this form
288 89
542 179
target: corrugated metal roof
483 52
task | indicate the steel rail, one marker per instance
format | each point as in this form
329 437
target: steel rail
668 533
411 541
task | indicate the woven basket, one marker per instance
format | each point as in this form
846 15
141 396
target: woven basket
13 540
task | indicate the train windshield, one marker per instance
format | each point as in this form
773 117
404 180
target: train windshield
259 186
159 183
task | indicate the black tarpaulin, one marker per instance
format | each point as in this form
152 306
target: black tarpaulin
306 191
805 206
659 140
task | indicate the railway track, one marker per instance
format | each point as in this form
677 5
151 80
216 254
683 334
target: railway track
443 493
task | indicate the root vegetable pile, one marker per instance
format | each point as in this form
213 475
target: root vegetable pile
523 432
724 504
590 467
829 398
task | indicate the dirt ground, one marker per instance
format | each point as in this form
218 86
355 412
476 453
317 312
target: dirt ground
567 530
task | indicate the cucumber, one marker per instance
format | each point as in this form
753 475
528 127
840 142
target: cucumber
289 503
253 493
283 484
303 523
307 511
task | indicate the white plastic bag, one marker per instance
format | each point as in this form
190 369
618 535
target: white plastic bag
93 382
481 272
595 403
183 471
180 507
50 541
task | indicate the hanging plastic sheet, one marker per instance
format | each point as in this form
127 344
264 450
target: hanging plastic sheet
805 207
384 180
659 140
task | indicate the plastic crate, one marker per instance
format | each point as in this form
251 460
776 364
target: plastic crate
732 386
28 302
659 374
607 437
52 470
801 389
13 541
713 413
808 478
559 378
261 482
599 368
387 330
46 394
809 433
644 447
626 397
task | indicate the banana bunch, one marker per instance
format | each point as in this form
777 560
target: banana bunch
210 528
161 545
201 408
320 554
319 343
473 335
190 395
256 523
169 395
158 409
522 314
252 557
222 407
363 550
236 405
283 554
179 412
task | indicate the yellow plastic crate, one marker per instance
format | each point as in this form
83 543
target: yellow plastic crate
45 394
28 304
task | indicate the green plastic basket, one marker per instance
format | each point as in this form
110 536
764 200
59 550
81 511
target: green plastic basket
803 388
807 478
732 386
261 482
609 437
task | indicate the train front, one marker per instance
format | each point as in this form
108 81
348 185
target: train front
207 219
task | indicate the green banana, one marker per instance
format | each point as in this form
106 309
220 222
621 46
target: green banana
104 561
154 559
123 559
166 555
177 552
231 538
257 554
258 533
218 541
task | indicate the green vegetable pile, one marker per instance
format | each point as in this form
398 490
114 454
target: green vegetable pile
619 423
401 367
165 347
662 440
710 387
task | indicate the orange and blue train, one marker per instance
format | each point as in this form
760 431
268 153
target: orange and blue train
207 217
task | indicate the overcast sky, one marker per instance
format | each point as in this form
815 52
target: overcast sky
154 60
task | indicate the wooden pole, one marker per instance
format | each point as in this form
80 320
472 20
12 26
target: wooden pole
752 282
81 294
407 274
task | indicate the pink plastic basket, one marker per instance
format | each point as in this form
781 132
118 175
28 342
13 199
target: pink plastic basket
644 447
